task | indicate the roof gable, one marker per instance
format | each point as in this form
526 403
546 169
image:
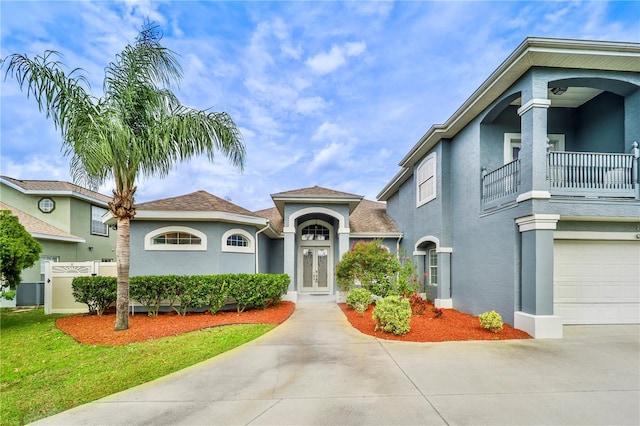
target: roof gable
55 187
315 195
195 201
39 228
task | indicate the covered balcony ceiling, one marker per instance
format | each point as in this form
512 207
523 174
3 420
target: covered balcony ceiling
573 97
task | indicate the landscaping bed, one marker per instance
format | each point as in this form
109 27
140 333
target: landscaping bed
450 326
98 330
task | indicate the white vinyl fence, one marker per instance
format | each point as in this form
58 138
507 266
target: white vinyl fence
58 297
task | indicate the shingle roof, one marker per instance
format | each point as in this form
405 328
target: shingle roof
196 201
315 191
273 215
40 228
369 217
48 186
372 217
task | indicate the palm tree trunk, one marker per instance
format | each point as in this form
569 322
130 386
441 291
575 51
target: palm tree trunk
123 254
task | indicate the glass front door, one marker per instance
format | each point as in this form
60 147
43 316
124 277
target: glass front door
315 268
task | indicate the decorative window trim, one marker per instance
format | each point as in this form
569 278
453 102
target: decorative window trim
433 266
149 246
250 248
424 178
98 218
512 140
46 205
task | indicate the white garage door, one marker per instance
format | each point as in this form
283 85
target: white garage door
597 282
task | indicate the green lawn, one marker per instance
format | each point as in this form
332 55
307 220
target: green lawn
43 371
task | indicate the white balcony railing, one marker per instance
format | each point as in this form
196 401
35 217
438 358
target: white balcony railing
591 173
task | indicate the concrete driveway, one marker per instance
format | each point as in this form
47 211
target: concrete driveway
315 369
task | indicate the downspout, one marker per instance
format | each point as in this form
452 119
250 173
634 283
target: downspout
258 244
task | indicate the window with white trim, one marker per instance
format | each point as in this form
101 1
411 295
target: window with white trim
238 241
180 238
513 142
426 180
433 267
97 227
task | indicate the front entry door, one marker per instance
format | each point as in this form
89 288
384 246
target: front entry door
315 268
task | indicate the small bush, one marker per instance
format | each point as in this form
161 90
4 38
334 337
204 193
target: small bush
193 293
150 291
257 290
359 299
216 291
492 321
418 304
97 292
393 315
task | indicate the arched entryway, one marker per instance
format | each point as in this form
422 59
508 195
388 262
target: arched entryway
315 257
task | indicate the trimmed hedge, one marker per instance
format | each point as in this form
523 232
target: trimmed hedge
97 292
184 293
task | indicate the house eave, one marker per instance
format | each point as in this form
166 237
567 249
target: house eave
376 235
306 199
53 193
199 216
72 239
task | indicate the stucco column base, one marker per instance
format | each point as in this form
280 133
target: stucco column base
539 326
443 303
291 296
341 296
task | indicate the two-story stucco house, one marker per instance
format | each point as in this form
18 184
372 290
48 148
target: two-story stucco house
526 200
67 221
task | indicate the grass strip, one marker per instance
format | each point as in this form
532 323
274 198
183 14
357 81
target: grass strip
43 371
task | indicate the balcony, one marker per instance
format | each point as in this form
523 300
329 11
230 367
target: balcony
575 174
501 185
592 174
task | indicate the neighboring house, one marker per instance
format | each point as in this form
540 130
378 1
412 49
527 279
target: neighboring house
526 201
304 235
65 218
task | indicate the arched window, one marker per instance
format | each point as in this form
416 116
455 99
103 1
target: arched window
175 238
426 180
239 241
315 232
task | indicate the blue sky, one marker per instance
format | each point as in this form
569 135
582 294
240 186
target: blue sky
325 93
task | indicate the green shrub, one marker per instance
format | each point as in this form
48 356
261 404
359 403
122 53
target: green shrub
97 292
192 294
369 263
393 315
8 294
257 290
359 299
492 321
216 290
150 291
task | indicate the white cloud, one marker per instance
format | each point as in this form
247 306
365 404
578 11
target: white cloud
335 155
329 132
327 62
310 105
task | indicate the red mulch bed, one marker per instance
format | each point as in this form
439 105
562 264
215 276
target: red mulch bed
98 330
452 325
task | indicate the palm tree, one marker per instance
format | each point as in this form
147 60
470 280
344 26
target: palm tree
137 128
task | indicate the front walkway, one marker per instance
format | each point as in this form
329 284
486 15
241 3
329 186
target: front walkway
316 370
